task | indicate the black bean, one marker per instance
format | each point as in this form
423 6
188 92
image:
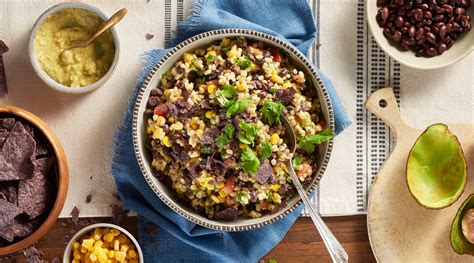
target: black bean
442 31
399 21
448 9
460 11
431 38
420 33
424 6
411 31
431 52
397 36
442 48
418 14
427 15
385 13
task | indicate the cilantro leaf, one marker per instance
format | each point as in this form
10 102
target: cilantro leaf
271 111
211 58
245 63
225 136
249 161
237 107
296 161
225 49
270 197
205 150
308 144
166 75
266 150
225 95
229 130
228 91
248 132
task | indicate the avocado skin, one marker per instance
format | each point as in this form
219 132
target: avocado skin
458 241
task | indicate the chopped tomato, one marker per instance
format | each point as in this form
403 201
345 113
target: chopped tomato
214 81
277 57
322 123
229 185
161 110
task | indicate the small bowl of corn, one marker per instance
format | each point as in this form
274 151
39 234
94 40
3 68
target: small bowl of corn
103 243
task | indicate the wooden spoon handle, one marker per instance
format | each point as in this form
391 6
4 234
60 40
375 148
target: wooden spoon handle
383 104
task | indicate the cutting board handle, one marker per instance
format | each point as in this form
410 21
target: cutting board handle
383 104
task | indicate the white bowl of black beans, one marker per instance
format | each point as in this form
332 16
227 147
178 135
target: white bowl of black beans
422 34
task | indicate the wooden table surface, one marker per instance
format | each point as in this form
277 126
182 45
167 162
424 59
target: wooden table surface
301 244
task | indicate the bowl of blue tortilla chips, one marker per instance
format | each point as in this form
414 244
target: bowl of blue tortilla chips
33 179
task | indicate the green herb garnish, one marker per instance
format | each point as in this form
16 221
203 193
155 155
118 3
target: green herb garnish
266 150
211 58
225 49
271 111
237 107
166 75
248 132
205 150
308 144
242 198
249 161
225 95
225 136
245 63
296 161
270 197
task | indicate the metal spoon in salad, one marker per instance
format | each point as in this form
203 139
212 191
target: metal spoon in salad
336 251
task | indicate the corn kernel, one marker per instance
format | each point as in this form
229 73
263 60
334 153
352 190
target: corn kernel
286 85
211 88
98 243
232 53
123 239
240 87
124 248
166 141
277 79
133 261
120 255
93 257
225 42
220 185
111 254
170 119
76 261
76 245
160 120
188 58
97 234
83 250
131 254
222 193
88 243
77 255
276 198
215 199
210 114
276 187
116 244
274 139
242 145
109 237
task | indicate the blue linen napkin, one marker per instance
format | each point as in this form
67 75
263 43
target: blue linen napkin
177 239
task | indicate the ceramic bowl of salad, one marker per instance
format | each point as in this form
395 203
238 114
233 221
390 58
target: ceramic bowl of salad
207 131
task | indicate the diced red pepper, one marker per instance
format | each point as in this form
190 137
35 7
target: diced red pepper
214 82
229 185
277 56
161 110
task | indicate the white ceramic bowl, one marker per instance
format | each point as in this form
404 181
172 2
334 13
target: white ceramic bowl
87 229
44 76
139 126
463 46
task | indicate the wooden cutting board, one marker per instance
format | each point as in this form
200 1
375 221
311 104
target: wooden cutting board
400 230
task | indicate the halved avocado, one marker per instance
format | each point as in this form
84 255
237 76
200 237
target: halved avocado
461 228
436 168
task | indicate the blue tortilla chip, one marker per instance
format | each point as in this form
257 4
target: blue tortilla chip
17 155
19 228
8 212
33 193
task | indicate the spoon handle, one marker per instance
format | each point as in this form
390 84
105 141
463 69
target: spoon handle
114 19
336 251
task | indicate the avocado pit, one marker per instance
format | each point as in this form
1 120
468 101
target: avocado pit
467 225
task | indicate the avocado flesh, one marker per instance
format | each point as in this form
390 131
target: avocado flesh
458 240
436 168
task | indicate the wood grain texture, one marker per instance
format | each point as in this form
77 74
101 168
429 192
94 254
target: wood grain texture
301 244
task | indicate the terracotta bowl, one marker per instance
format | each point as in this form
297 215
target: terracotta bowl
463 46
62 176
139 127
